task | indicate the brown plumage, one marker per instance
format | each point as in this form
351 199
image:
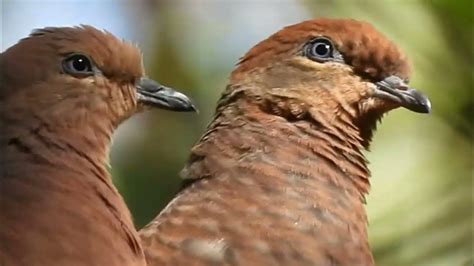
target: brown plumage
279 177
63 91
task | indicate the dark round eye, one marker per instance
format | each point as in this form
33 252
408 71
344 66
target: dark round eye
78 64
320 49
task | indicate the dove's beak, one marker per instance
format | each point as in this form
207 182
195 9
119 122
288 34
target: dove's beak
153 94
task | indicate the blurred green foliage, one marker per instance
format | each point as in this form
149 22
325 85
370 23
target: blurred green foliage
420 207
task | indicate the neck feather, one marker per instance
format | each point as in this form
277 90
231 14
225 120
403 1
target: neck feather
61 173
305 145
304 177
74 149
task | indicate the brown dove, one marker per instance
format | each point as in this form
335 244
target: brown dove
63 92
279 177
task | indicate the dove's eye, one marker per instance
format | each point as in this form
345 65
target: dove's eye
78 65
322 49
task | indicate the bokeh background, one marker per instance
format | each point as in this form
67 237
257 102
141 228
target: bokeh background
421 205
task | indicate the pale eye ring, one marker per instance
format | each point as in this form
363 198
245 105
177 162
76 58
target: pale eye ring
322 49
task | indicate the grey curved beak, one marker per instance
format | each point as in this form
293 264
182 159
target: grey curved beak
395 89
151 93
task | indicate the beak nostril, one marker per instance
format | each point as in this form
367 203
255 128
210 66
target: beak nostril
403 87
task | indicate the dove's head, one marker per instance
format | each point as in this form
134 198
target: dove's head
70 74
336 70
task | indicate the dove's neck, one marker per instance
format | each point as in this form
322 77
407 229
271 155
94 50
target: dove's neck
307 182
69 147
60 172
288 146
